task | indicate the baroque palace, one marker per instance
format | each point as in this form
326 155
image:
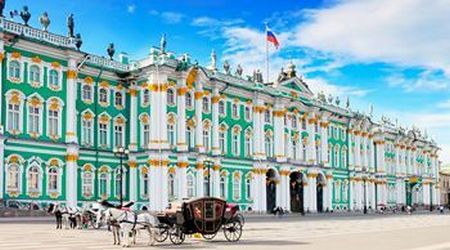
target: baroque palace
190 131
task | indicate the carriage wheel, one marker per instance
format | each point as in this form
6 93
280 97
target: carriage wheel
233 231
162 234
177 237
209 236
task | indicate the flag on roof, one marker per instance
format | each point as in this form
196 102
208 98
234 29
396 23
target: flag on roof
271 38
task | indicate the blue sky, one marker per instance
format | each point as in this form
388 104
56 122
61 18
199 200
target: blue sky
378 52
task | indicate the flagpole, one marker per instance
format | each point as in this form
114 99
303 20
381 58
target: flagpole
267 54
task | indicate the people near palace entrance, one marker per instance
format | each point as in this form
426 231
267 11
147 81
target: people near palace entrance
278 211
441 209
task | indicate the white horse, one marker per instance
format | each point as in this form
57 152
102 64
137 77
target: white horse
129 223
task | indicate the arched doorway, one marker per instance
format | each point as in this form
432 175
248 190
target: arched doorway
296 192
417 194
271 190
408 193
320 180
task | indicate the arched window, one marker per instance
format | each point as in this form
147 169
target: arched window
329 154
205 104
53 183
206 143
222 139
87 132
248 187
190 186
88 184
190 137
171 134
170 97
236 142
13 178
118 135
103 95
14 70
145 183
268 144
118 99
117 186
235 110
34 179
222 110
303 150
336 156
189 102
294 149
13 116
103 183
294 122
87 92
103 133
146 134
345 191
207 185
223 186
337 191
35 74
171 186
53 78
248 143
53 122
248 113
344 157
34 119
303 124
267 116
236 187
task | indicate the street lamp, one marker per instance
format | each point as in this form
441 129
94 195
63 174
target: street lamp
121 152
208 164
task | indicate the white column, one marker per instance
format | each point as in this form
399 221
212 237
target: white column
216 178
2 56
71 174
133 119
182 164
259 197
414 165
199 177
426 194
286 190
181 118
329 196
279 140
258 130
312 184
357 150
351 162
71 95
311 147
133 183
215 122
324 141
198 118
351 194
2 165
371 154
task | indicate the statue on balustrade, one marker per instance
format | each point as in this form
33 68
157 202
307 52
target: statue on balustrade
45 21
78 41
2 7
25 15
71 25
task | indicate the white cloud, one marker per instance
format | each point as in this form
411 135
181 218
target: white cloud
403 32
131 8
172 17
427 80
319 84
444 104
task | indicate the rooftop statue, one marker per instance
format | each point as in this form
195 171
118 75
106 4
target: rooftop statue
239 70
347 103
213 56
291 70
45 21
78 41
258 76
282 75
111 51
226 67
337 101
2 7
162 44
70 25
321 96
25 15
330 99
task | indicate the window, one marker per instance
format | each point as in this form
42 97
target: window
145 97
88 184
344 157
145 183
337 191
53 180
103 134
170 97
294 149
13 116
222 140
34 118
235 110
118 187
303 124
14 70
118 135
87 93
236 187
268 144
104 183
171 186
35 74
13 178
103 95
345 191
222 110
189 102
316 128
171 134
190 137
190 185
248 144
118 99
87 132
53 78
248 113
206 139
53 123
235 143
33 179
223 186
267 117
146 134
294 122
248 187
336 156
303 151
205 104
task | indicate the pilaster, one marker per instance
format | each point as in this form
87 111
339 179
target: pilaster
71 98
215 122
198 118
181 117
279 139
71 174
133 146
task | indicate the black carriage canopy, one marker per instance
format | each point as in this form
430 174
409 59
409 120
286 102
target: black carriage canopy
106 203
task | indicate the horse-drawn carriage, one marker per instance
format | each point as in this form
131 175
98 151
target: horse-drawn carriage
205 216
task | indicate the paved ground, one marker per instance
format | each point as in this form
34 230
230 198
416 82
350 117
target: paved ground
397 232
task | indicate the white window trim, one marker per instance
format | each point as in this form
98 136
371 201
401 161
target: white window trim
142 94
59 71
85 100
248 119
123 99
237 198
21 104
124 182
60 109
141 182
174 92
108 184
193 185
236 151
40 180
238 106
209 105
59 180
224 174
41 75
123 131
41 115
20 180
224 114
22 70
108 97
92 185
190 107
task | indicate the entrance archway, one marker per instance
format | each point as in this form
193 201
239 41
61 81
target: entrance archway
296 192
321 182
271 190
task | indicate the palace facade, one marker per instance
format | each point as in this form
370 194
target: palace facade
191 131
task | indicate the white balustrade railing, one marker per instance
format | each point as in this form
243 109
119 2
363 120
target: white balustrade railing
107 63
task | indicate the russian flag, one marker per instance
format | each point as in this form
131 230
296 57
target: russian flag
271 38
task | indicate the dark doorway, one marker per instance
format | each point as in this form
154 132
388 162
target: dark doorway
296 191
319 193
271 190
408 194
